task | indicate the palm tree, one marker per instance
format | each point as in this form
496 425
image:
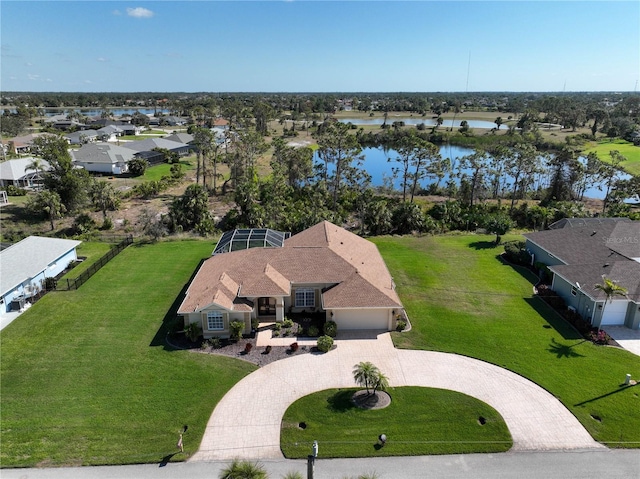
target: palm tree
381 383
366 374
498 122
49 202
37 165
243 470
610 289
104 197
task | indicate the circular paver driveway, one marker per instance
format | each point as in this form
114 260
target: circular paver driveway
246 422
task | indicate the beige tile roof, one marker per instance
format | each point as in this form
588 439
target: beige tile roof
324 253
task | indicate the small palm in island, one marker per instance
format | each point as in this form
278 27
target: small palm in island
368 375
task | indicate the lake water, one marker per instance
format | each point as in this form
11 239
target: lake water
379 163
417 120
98 111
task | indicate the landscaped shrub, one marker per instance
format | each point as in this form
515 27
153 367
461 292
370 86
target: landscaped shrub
255 322
15 191
215 342
277 327
401 325
294 347
50 284
236 328
267 350
331 328
247 348
287 323
313 331
515 252
193 331
325 343
243 470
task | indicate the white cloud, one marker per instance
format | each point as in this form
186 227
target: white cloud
31 76
102 59
29 64
88 82
116 12
139 12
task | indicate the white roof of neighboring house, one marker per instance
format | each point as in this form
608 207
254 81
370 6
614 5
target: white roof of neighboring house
17 169
102 153
29 257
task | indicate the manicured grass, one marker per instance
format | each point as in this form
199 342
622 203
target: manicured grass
628 150
461 298
418 421
86 376
92 251
156 172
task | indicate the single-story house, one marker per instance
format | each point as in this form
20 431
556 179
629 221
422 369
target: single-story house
25 265
103 158
110 133
323 269
81 137
579 253
22 144
150 144
17 173
185 138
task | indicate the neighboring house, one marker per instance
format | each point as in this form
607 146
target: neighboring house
110 133
174 120
81 137
323 269
25 265
146 148
22 144
17 173
185 138
579 253
103 158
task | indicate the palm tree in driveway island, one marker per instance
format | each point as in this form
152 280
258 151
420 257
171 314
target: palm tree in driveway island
610 288
368 375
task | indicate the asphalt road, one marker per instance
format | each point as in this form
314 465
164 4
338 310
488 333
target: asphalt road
605 464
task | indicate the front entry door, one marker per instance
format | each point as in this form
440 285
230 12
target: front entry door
266 306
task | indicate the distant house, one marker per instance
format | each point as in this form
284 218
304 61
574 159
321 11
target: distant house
103 158
17 173
185 138
110 133
324 269
146 148
579 252
81 137
24 267
22 144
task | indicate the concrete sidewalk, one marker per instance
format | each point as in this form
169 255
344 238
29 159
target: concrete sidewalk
246 422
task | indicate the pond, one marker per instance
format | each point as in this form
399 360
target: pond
417 120
380 162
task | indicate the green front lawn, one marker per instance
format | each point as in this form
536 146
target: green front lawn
462 299
87 379
631 152
418 421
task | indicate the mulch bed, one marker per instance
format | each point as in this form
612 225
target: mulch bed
364 400
257 356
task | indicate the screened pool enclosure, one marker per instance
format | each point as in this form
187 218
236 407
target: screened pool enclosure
250 238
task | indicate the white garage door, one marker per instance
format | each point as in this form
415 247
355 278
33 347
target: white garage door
614 313
361 319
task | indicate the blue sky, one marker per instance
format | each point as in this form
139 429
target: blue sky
320 46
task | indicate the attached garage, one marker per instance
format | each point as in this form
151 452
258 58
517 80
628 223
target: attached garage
614 313
350 319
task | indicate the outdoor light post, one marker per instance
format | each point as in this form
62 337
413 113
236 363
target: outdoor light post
311 459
